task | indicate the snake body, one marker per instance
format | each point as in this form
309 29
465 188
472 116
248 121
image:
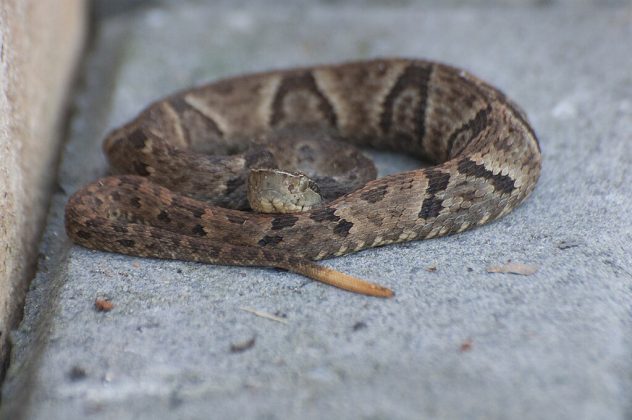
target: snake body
187 161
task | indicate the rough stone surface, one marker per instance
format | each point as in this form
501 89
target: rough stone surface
40 42
455 342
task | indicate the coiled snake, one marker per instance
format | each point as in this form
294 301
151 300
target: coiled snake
188 158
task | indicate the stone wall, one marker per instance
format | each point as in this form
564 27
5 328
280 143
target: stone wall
40 44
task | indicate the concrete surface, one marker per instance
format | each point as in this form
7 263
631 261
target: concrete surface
455 343
40 44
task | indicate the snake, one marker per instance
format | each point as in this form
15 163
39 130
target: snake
181 169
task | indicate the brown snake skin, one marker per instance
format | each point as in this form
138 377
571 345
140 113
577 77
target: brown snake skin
486 155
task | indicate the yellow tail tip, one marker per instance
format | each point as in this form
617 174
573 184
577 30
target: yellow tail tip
342 281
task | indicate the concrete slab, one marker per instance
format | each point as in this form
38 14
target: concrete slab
454 343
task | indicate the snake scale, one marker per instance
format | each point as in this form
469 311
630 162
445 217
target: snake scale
183 161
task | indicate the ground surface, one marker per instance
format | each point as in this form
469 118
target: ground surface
454 343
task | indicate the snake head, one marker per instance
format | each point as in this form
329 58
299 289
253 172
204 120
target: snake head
278 191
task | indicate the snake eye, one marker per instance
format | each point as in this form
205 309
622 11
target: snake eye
303 184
